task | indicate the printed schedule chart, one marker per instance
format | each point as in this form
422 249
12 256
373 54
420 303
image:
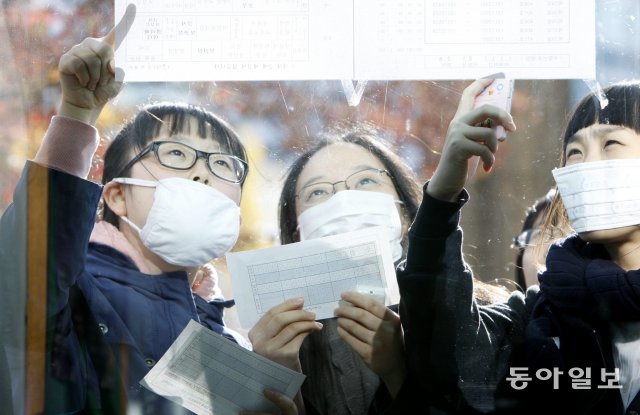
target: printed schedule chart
229 39
468 38
317 278
206 373
199 40
225 37
317 270
491 22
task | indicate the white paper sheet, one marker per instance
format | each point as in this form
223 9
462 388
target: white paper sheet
195 40
466 39
208 374
317 270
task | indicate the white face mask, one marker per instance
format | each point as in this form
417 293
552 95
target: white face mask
601 194
352 210
189 223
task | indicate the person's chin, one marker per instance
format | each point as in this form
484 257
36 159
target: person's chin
604 236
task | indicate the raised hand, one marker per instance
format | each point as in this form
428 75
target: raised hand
469 135
88 73
278 335
375 333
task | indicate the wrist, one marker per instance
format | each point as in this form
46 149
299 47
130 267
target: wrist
84 115
441 192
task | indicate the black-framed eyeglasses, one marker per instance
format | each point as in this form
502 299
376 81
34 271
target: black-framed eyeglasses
369 179
526 238
180 156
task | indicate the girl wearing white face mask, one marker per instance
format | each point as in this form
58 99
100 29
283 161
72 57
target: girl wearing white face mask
576 337
354 363
122 290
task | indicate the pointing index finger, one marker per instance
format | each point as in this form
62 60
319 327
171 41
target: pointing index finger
119 32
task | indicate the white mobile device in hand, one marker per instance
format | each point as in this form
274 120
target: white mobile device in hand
499 94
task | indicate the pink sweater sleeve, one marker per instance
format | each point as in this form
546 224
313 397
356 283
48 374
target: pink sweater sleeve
68 146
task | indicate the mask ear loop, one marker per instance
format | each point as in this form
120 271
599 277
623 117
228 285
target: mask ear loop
129 181
141 161
130 223
134 182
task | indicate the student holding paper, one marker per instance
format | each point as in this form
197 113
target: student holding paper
117 293
570 345
355 363
366 177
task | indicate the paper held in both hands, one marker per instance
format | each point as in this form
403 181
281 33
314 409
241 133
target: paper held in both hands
318 270
207 374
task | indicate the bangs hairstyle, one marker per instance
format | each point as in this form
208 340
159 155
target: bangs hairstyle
147 125
622 108
404 181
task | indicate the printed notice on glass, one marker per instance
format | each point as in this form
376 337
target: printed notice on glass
318 270
466 39
195 40
208 374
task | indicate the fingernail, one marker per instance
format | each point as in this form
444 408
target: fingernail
112 66
297 300
487 169
319 325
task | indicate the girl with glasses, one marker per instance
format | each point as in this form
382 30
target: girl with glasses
121 290
571 344
354 363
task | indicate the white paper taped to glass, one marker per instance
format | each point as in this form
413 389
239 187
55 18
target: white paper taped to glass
194 40
318 270
208 374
